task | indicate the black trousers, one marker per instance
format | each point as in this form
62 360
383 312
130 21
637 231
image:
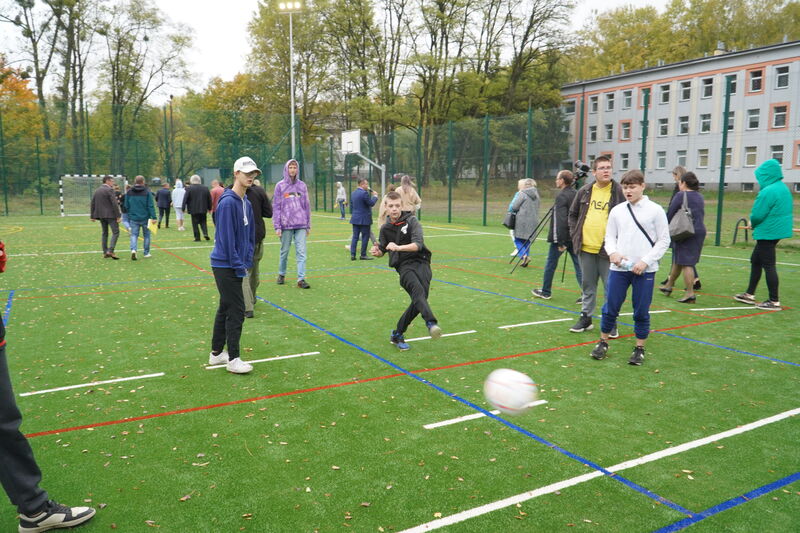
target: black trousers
763 259
230 313
162 211
415 278
202 221
19 473
106 223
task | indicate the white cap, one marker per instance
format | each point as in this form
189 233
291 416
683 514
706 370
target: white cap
245 164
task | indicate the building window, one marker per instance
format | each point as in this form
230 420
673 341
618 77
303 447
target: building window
683 125
592 157
609 136
610 102
623 161
625 130
728 157
686 90
592 134
663 127
782 77
756 80
663 91
750 156
681 159
753 118
627 99
569 107
707 87
702 158
731 120
593 104
705 123
779 113
776 152
642 128
733 83
661 160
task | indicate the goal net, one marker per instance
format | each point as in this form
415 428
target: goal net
75 192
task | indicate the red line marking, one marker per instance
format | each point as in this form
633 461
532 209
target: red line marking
184 260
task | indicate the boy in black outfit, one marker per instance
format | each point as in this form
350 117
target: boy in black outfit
401 237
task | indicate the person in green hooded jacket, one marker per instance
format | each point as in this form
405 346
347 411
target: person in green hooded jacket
771 221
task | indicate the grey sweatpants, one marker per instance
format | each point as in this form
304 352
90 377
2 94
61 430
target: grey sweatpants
594 267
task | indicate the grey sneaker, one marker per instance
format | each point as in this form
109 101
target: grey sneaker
600 350
434 329
54 516
637 356
281 279
540 294
769 305
579 301
584 323
614 333
745 298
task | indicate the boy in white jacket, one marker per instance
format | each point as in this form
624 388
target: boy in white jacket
637 236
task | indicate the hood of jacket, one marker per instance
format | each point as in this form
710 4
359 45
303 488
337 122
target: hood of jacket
178 184
769 172
286 176
138 189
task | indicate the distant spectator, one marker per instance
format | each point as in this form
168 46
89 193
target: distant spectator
291 217
216 191
178 193
139 204
382 207
411 201
341 198
105 208
163 202
262 208
677 172
197 203
361 201
526 206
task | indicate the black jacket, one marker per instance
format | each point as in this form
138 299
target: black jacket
559 224
406 230
197 200
262 208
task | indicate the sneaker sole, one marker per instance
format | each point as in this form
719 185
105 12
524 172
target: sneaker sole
542 296
635 363
576 330
436 332
742 300
62 525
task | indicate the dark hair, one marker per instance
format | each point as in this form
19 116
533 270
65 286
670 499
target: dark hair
691 181
106 179
632 177
567 177
393 195
598 159
362 180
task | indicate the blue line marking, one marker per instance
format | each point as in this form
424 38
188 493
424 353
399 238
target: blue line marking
578 458
8 307
619 323
730 504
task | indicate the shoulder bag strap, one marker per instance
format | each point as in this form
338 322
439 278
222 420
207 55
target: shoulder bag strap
651 241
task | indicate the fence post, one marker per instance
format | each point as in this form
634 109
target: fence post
330 162
316 183
529 149
582 126
88 144
393 163
419 165
166 145
723 153
39 177
449 171
136 155
645 128
3 164
486 148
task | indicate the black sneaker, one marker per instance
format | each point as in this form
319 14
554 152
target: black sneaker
614 333
540 294
697 285
55 516
579 301
303 285
399 340
249 314
637 356
769 305
584 323
281 279
745 298
599 351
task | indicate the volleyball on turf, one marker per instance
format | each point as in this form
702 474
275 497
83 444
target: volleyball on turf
509 391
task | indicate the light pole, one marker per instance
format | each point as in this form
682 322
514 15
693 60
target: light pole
291 8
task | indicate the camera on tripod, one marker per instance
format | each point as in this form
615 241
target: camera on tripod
581 170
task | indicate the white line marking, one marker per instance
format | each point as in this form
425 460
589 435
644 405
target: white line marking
721 308
549 489
534 323
746 259
92 384
473 416
651 312
268 359
445 335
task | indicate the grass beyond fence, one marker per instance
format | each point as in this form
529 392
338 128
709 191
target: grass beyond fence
328 434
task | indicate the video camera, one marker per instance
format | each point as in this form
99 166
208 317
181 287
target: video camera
581 170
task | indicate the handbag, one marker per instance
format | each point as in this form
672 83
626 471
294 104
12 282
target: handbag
510 220
681 227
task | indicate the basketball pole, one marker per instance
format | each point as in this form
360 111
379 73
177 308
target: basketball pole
382 168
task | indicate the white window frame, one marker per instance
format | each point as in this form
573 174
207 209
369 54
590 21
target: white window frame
680 157
624 161
731 120
661 160
593 104
728 157
781 75
706 83
759 78
773 152
705 121
683 125
751 115
627 99
702 153
748 152
684 87
610 101
569 104
664 93
592 134
625 131
784 114
663 127
608 132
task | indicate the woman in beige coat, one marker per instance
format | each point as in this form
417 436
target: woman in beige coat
408 195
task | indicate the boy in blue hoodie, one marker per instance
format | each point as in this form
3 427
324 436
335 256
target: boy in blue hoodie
231 257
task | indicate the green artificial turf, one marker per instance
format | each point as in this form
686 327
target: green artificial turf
334 440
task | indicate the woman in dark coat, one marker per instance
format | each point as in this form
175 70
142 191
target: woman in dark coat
686 254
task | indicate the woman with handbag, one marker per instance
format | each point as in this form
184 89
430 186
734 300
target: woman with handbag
526 208
686 252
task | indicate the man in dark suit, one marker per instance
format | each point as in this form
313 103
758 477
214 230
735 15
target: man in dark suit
105 208
197 203
262 208
361 201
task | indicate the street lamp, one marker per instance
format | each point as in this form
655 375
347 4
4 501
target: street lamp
290 8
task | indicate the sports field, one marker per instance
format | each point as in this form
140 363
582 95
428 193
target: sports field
336 430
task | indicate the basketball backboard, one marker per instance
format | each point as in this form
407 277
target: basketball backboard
351 142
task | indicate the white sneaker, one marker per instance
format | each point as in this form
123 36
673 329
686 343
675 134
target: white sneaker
148 255
237 366
220 359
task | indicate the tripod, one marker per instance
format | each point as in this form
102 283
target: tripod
531 238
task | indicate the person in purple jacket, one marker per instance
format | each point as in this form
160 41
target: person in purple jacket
291 217
232 256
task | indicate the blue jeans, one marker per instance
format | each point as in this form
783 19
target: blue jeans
642 295
299 237
551 266
360 232
135 225
523 245
341 208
